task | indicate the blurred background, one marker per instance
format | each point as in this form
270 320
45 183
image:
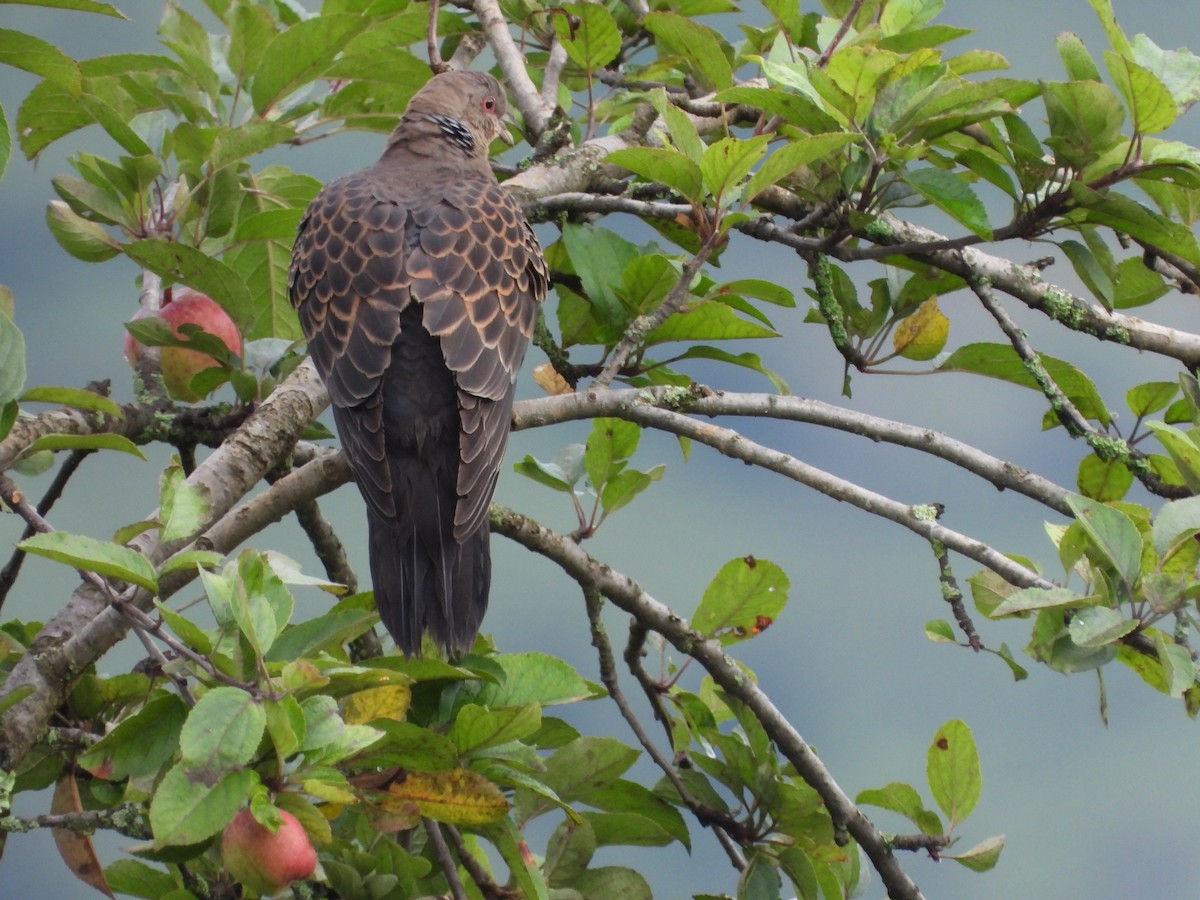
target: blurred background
1089 811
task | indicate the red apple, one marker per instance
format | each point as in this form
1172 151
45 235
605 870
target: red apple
263 860
179 364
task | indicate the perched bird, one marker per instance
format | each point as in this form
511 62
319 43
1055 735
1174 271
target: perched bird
417 282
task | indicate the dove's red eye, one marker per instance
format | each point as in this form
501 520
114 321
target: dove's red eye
489 104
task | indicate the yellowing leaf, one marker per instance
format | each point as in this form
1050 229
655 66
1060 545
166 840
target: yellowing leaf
922 335
457 797
388 702
545 377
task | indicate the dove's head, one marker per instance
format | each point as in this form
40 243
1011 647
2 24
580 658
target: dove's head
464 108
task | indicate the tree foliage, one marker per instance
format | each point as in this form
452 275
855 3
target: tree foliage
809 132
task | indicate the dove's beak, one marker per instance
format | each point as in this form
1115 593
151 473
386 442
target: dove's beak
507 124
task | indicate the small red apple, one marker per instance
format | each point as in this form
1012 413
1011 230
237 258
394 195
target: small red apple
179 364
263 860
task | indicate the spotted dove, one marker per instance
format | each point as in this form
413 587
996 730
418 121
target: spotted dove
417 282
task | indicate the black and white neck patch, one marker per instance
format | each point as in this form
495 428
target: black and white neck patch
455 131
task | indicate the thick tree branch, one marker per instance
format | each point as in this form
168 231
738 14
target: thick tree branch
634 404
632 598
512 64
88 626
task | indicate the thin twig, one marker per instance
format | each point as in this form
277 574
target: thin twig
127 819
480 875
1105 446
715 819
843 29
953 595
445 859
632 597
643 325
434 54
12 569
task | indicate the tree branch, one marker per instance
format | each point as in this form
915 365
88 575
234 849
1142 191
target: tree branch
512 65
632 598
86 627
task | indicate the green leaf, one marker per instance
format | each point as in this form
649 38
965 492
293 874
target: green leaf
625 485
55 442
5 142
189 559
414 747
331 630
611 442
1150 397
586 764
727 161
908 15
623 796
250 30
1150 104
285 725
15 696
1098 626
523 868
1103 479
12 360
92 555
568 852
1125 214
196 269
760 879
81 5
745 360
1112 532
940 632
221 733
701 46
953 196
135 878
533 678
679 125
746 595
561 474
1001 361
1182 450
712 320
1075 57
183 508
83 239
1136 285
1090 271
1112 30
669 167
800 152
952 766
1179 70
185 812
1176 522
299 55
613 881
1028 599
24 51
76 397
140 744
982 857
589 34
803 110
599 256
476 728
1085 120
903 799
187 630
250 137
